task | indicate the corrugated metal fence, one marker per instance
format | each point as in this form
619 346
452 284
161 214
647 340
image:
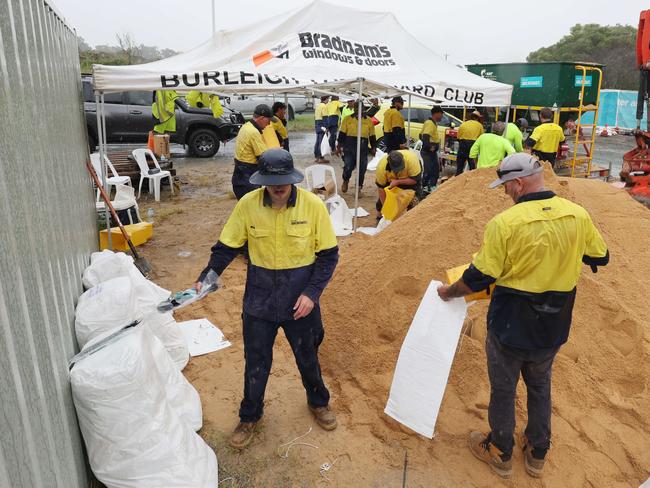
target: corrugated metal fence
47 229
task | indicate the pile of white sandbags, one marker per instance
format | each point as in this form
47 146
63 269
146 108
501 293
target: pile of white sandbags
117 295
137 412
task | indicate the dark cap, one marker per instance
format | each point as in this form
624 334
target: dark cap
396 161
263 110
398 99
518 165
275 167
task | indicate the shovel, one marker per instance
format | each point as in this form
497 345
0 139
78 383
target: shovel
141 263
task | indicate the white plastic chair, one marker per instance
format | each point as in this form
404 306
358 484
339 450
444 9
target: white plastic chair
124 199
116 179
417 146
140 156
316 177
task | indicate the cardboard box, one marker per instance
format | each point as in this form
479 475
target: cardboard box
161 145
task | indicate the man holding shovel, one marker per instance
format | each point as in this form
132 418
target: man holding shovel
293 253
533 252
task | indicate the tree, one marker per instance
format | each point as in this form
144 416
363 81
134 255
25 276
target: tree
611 45
82 45
128 47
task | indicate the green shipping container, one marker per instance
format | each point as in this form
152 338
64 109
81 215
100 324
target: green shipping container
543 84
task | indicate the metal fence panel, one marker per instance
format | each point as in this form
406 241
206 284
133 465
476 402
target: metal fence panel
48 229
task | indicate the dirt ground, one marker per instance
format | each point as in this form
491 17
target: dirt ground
361 453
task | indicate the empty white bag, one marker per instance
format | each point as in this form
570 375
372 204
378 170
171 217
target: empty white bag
425 361
133 435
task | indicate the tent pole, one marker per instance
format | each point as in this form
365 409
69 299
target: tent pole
356 186
213 19
508 115
408 124
101 138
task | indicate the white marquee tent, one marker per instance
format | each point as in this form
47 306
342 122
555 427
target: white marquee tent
320 48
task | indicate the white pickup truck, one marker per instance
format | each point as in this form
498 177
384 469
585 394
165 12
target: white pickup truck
246 104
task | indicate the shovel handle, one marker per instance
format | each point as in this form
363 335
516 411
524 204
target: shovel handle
108 203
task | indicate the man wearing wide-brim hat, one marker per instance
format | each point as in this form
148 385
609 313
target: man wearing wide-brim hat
292 255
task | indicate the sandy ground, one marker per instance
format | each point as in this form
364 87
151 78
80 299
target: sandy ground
363 451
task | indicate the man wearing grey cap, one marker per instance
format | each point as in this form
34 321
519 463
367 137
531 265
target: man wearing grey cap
533 252
249 146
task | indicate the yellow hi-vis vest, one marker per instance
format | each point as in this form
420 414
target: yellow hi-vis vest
199 99
163 108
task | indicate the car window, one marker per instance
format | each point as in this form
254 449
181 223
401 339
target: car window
113 98
418 115
89 96
139 98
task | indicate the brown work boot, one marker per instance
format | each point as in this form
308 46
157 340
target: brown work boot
344 187
323 161
487 452
324 417
243 435
534 465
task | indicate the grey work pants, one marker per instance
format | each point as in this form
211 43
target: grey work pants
504 366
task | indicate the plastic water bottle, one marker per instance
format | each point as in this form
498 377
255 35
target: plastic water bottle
150 215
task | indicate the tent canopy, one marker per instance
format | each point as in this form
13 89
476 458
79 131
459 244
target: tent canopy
299 52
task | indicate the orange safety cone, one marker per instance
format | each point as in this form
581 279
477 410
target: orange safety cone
150 141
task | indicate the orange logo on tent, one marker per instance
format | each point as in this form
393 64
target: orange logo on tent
279 51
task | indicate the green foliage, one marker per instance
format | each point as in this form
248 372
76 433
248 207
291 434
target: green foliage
611 45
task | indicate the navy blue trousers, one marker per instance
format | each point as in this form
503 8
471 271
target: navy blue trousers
305 336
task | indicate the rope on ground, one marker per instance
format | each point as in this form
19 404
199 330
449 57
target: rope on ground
283 449
325 467
230 478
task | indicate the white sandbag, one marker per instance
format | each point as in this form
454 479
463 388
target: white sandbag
165 327
340 216
105 307
325 148
133 435
106 266
374 162
425 361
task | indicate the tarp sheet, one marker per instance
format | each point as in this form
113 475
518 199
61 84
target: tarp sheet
318 47
617 109
425 361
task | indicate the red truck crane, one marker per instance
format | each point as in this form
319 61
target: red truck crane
636 163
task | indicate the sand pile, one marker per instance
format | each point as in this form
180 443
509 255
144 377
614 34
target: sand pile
601 414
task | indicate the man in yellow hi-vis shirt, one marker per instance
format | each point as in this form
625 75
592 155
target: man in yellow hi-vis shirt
320 126
534 252
430 144
546 137
334 107
279 123
468 132
394 134
400 169
347 143
249 146
293 253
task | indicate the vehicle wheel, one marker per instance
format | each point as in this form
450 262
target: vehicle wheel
203 143
381 144
92 143
291 114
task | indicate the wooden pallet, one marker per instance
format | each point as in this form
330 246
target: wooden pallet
125 165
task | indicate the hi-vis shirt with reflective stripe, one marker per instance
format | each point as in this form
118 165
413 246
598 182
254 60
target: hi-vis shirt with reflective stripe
280 239
249 144
538 245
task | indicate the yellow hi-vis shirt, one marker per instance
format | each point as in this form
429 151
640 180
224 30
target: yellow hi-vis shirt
490 149
350 124
333 107
393 118
470 130
280 239
537 246
279 127
164 109
412 169
431 129
249 144
547 137
205 100
321 111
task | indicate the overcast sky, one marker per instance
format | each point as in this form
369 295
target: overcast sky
471 31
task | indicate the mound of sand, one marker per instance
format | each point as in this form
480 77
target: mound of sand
601 396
